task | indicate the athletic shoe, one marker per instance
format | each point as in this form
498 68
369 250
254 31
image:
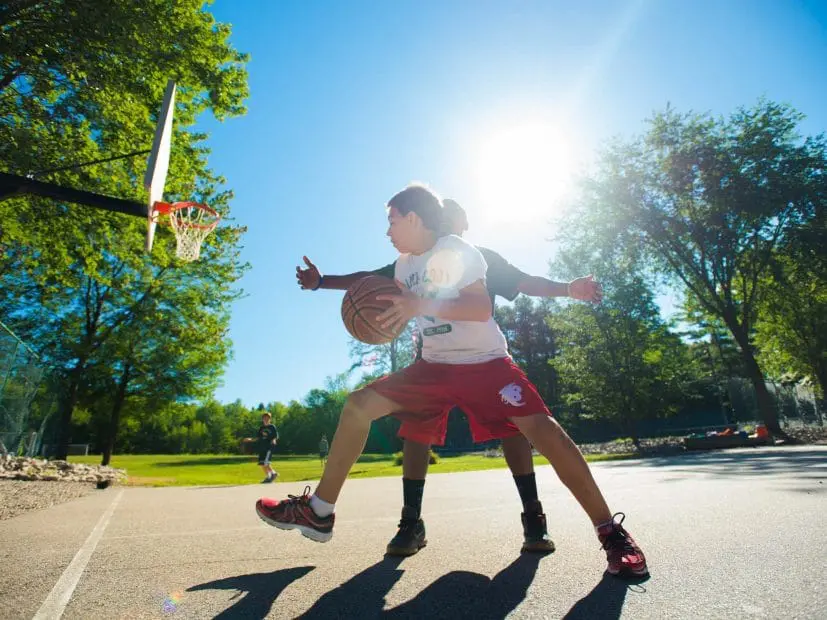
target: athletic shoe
411 535
295 513
535 530
624 556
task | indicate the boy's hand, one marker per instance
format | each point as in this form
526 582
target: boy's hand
308 278
405 307
586 289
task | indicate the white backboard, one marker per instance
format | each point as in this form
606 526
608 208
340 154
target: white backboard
158 163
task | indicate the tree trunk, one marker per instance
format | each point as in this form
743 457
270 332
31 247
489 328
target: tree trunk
115 418
766 403
821 377
66 410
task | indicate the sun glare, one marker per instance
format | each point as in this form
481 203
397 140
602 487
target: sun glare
524 172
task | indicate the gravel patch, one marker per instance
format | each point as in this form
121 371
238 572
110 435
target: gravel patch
21 496
32 484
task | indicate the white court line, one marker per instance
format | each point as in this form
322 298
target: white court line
58 598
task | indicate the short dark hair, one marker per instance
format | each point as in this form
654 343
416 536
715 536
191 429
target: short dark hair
421 200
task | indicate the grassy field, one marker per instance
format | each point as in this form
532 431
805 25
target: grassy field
211 469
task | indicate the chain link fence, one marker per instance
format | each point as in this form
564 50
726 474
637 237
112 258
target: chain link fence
21 377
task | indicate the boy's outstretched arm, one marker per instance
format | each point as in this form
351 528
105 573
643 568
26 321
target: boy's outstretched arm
584 289
311 279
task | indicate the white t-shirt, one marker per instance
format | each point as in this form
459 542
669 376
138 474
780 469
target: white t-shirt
440 273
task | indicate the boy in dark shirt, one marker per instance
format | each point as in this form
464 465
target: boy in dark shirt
267 438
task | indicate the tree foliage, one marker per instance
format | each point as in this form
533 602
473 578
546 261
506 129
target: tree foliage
710 200
83 81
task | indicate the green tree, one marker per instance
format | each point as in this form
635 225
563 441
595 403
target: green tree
83 81
791 331
619 361
709 200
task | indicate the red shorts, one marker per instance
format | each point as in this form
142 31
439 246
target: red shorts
490 394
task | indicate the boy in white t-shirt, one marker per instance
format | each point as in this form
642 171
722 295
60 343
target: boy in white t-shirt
443 286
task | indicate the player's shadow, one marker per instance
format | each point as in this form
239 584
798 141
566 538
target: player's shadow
458 594
605 601
256 592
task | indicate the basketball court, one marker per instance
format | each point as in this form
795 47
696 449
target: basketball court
728 535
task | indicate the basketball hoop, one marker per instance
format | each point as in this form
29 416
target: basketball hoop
191 222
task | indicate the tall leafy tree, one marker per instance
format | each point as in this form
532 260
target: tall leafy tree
83 81
710 200
619 361
791 331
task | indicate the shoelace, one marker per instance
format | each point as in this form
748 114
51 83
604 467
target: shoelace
407 524
619 536
295 499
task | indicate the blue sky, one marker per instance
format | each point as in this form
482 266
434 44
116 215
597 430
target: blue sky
350 101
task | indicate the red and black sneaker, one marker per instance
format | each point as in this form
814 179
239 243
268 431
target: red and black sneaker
624 556
295 513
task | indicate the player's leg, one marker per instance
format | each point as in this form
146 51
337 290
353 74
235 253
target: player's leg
410 536
518 456
414 389
313 515
361 409
264 462
520 402
624 556
520 461
554 443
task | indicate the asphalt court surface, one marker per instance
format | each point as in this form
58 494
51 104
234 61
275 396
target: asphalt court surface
730 534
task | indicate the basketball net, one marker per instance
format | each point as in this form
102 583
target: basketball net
191 222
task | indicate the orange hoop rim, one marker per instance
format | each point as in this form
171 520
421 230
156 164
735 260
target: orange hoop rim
165 208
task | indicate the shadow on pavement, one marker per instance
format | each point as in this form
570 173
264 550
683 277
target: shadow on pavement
362 596
740 462
604 602
458 594
258 591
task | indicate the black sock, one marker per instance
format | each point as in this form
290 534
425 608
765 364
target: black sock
527 487
412 494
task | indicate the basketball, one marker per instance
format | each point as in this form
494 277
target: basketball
360 309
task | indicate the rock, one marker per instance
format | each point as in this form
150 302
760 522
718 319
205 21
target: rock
25 468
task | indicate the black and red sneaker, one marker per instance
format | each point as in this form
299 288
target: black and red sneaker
622 552
295 513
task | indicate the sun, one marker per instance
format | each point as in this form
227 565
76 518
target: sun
524 172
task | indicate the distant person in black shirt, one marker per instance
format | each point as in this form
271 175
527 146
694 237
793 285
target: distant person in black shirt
323 449
503 279
268 436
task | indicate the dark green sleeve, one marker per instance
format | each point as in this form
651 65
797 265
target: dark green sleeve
389 271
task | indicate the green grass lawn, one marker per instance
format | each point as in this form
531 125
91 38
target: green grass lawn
212 469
